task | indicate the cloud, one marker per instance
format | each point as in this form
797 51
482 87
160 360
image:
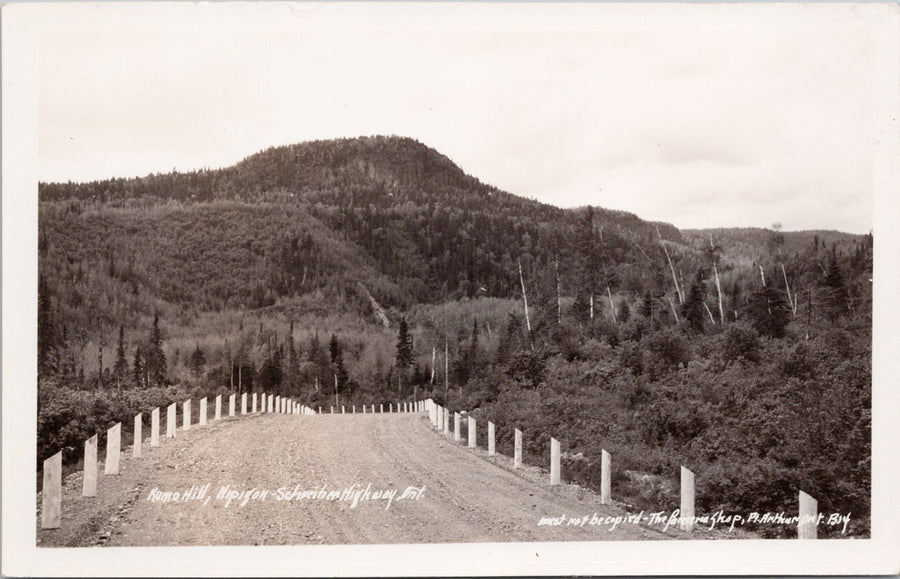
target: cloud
723 120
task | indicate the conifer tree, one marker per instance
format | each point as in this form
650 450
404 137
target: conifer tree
624 312
197 362
120 368
270 373
291 379
473 342
155 358
647 305
47 336
404 346
835 293
137 368
587 306
769 312
337 362
510 339
692 309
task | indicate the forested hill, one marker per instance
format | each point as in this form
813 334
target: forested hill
431 229
378 218
379 171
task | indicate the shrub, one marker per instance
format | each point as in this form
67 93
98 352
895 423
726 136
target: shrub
667 350
632 358
741 341
67 417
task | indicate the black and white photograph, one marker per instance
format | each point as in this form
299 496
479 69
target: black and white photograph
450 288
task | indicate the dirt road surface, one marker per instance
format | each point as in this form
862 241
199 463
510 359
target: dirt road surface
443 492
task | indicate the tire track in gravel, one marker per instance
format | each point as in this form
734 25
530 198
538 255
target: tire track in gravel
467 497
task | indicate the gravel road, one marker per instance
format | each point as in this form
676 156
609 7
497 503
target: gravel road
300 475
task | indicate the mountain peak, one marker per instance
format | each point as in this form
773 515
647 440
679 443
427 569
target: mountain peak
386 161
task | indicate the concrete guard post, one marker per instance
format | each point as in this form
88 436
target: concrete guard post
472 433
51 493
218 407
138 435
517 451
186 414
113 449
687 500
203 411
806 527
492 441
554 462
170 420
605 477
89 487
154 427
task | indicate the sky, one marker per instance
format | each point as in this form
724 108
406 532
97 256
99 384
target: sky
705 116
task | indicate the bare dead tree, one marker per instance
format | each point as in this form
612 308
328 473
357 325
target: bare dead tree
558 296
714 257
671 267
100 365
612 306
524 299
711 318
674 311
787 286
433 355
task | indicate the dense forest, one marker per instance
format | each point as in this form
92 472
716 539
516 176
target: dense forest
373 270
